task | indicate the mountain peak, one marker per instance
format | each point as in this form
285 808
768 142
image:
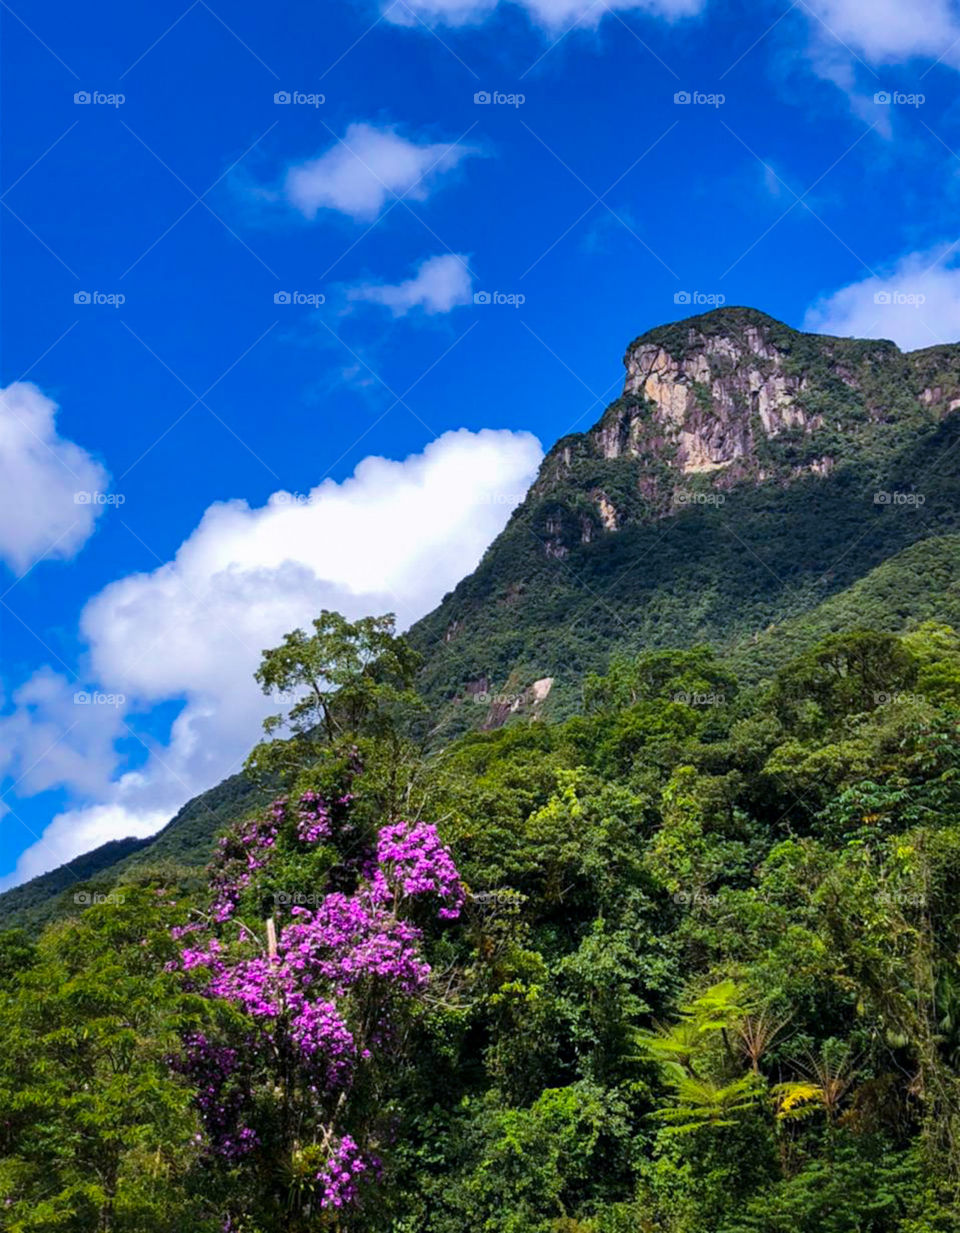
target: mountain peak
711 393
730 321
702 393
734 397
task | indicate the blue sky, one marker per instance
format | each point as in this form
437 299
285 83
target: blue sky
230 307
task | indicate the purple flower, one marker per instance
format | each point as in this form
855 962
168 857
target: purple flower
326 999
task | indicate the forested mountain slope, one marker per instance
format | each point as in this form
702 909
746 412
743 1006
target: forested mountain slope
754 487
186 842
747 472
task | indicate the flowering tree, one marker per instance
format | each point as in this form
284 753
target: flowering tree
316 999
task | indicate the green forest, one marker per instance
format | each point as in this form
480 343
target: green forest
682 961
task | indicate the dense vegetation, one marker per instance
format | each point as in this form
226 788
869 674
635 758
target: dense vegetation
684 962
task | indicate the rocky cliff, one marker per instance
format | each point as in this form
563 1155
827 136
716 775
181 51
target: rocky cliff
710 403
735 396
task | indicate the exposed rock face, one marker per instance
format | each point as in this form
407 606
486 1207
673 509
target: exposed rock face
606 509
709 403
553 544
540 689
528 701
728 399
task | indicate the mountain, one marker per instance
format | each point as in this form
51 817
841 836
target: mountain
185 843
747 472
51 894
753 486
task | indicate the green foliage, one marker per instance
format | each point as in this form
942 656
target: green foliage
349 673
705 979
95 1131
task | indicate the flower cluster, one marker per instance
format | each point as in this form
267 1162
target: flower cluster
340 1176
240 855
269 989
318 818
350 937
326 992
313 818
413 861
210 1067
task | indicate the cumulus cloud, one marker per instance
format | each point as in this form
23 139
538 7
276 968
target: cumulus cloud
547 13
358 174
395 536
44 478
916 303
842 32
440 284
55 736
845 35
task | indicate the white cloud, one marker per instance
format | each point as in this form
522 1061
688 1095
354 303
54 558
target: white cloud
917 304
888 31
78 831
847 35
842 32
49 740
395 536
42 474
358 174
440 284
550 14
